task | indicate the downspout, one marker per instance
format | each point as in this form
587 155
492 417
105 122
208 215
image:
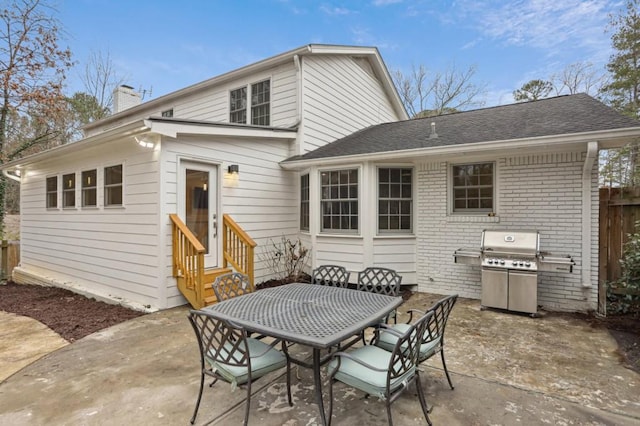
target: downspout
298 65
15 177
592 155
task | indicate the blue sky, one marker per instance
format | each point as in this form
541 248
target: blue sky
168 45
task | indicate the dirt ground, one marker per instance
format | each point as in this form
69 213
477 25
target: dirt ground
74 316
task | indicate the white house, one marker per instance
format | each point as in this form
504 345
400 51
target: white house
313 143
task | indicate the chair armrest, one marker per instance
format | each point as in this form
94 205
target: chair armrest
340 355
414 311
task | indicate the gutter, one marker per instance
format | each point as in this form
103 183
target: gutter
592 155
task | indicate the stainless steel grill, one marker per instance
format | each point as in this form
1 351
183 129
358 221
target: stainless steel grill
510 262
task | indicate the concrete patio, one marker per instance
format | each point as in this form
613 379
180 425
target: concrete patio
507 369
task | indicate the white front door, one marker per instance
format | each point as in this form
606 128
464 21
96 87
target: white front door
198 183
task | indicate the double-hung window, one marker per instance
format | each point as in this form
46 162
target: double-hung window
339 200
473 188
52 192
113 185
259 113
395 199
304 202
69 190
89 188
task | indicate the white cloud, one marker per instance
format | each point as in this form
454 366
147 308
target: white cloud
385 2
335 10
553 25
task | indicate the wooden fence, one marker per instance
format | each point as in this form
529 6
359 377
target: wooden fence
619 211
9 258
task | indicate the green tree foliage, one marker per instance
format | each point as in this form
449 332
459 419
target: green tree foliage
624 66
32 73
533 90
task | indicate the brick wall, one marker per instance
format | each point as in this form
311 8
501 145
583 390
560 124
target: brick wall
538 192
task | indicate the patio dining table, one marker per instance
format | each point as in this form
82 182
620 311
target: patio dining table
317 316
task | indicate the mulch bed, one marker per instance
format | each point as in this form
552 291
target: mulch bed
71 315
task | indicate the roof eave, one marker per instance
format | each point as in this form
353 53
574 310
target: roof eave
605 139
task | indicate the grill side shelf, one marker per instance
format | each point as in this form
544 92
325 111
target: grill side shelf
556 263
467 256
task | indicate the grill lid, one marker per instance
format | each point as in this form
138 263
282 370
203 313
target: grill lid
526 243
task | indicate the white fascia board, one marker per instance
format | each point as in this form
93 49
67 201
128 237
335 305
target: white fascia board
504 147
131 129
174 129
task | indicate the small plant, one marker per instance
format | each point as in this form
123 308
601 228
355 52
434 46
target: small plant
286 259
625 292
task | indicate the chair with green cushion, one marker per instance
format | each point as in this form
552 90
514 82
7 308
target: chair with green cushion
433 338
227 353
331 275
231 285
381 373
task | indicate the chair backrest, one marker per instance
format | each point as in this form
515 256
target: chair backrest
220 341
231 285
436 325
407 349
330 275
379 280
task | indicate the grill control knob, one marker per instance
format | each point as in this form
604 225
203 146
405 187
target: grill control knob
489 261
502 261
515 263
527 264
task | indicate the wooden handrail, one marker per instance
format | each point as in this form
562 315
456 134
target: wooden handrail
238 248
188 256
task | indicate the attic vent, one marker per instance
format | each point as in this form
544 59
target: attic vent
433 133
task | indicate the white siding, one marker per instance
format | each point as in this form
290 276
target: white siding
340 97
263 203
212 104
111 251
540 192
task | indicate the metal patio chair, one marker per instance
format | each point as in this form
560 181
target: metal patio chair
381 281
231 285
227 353
330 275
381 373
433 337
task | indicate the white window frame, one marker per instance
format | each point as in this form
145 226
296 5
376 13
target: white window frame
400 199
66 190
91 186
349 199
305 203
56 192
107 187
472 211
248 106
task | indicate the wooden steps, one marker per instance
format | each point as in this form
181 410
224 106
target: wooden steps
210 276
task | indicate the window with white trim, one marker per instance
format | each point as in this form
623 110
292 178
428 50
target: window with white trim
260 103
260 112
69 190
339 200
395 199
472 188
89 188
113 185
304 202
52 192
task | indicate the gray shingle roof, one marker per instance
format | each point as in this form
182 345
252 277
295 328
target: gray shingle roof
561 115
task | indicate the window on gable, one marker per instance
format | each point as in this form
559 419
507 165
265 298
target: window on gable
260 103
69 190
339 200
395 199
168 113
473 188
113 185
238 106
52 192
304 202
89 188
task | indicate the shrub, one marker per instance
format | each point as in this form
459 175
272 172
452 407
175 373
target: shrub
286 259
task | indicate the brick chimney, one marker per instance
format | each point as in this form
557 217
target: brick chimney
124 97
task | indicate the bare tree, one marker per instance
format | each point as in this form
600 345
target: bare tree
579 77
32 72
100 78
447 91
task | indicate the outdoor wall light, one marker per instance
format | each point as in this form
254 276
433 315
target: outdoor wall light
234 169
